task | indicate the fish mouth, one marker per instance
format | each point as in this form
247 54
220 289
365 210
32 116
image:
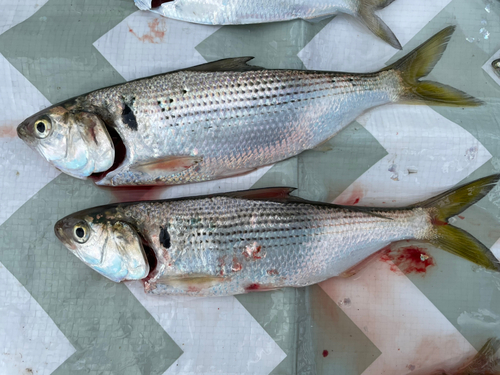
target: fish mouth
120 154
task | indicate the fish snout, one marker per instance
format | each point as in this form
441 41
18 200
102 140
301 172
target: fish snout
22 131
63 231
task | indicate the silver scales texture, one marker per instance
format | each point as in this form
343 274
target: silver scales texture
252 245
233 122
224 12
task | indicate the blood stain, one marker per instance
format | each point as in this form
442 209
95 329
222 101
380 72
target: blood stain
136 193
156 34
410 259
353 198
461 217
252 287
8 131
325 353
272 272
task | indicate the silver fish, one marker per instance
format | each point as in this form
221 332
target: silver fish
240 12
257 240
496 66
221 119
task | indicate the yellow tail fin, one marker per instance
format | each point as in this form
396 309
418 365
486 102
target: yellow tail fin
366 12
418 64
455 240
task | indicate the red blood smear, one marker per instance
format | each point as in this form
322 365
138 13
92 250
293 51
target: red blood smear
461 217
411 259
252 287
353 198
136 193
325 353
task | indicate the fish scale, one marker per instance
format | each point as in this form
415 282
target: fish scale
272 115
268 243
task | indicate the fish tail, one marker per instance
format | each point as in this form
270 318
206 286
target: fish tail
485 361
455 240
366 12
419 63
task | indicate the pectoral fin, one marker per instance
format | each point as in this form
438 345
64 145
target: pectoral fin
193 283
169 165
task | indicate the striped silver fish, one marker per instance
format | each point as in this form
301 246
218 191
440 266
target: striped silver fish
221 119
241 12
257 240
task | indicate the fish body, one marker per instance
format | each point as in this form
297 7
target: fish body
241 12
232 244
221 119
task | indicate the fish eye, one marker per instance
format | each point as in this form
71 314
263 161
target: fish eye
42 126
81 232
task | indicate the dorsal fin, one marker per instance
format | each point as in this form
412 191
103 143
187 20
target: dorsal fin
278 194
233 64
282 194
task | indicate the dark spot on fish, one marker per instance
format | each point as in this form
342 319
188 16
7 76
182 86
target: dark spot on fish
128 118
157 3
184 91
171 100
164 238
351 79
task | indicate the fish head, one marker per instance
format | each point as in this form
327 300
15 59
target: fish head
76 143
111 247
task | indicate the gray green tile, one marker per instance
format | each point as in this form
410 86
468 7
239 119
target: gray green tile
110 330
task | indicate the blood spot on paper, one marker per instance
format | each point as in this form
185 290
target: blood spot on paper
411 259
156 34
8 131
325 353
353 198
461 217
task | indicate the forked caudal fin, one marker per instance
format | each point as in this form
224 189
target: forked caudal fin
418 64
366 12
455 240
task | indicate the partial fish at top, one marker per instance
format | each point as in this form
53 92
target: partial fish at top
241 12
221 119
